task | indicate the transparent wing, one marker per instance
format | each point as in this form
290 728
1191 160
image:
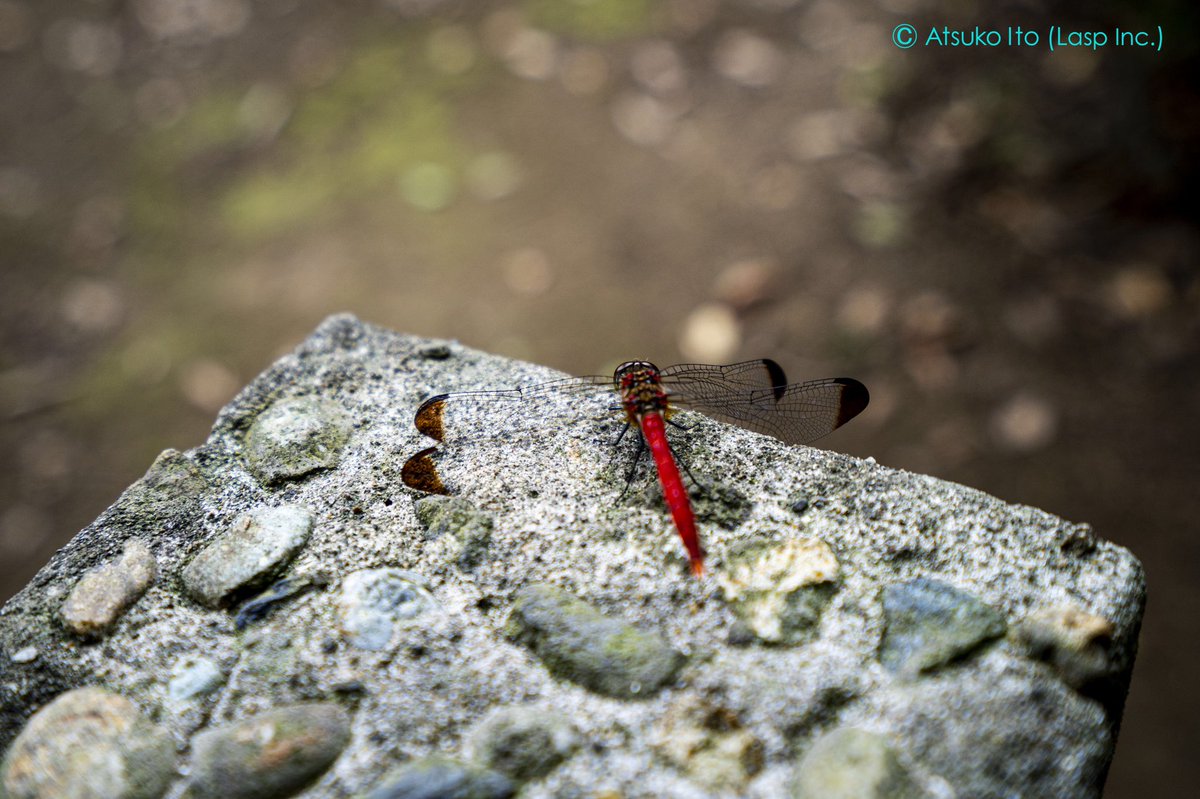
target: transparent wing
519 416
496 414
757 396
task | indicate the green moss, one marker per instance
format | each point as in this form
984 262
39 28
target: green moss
592 19
881 224
159 196
171 487
349 141
269 202
212 123
386 113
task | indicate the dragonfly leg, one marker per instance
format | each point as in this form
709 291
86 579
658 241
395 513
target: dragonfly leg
703 488
683 464
617 444
637 457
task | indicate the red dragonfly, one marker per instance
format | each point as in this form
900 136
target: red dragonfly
752 394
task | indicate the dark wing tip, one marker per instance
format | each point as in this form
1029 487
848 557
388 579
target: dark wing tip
777 377
429 417
853 400
420 472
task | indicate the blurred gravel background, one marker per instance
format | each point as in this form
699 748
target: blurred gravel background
1000 242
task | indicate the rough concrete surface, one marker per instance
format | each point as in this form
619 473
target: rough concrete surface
1025 703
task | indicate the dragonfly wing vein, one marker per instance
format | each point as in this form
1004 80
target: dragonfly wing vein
796 414
459 418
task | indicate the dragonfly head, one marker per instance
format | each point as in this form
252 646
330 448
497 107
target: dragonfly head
637 370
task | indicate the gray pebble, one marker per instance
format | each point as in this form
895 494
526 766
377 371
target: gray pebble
464 530
442 778
25 655
1075 642
373 602
849 763
106 592
523 742
259 544
577 642
273 754
193 677
88 743
929 624
295 437
1028 734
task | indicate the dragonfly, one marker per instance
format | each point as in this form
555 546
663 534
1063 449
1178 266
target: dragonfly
752 394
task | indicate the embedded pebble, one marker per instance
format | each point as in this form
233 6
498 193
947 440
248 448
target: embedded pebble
929 624
103 594
779 590
169 490
273 754
523 742
1029 734
295 437
708 741
26 655
193 677
1072 640
88 743
435 352
442 778
373 602
260 543
465 530
849 763
1076 540
577 642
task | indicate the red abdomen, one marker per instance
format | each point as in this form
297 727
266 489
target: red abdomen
674 493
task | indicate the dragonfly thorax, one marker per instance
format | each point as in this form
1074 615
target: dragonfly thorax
641 389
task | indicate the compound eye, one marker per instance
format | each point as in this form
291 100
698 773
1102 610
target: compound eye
632 367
